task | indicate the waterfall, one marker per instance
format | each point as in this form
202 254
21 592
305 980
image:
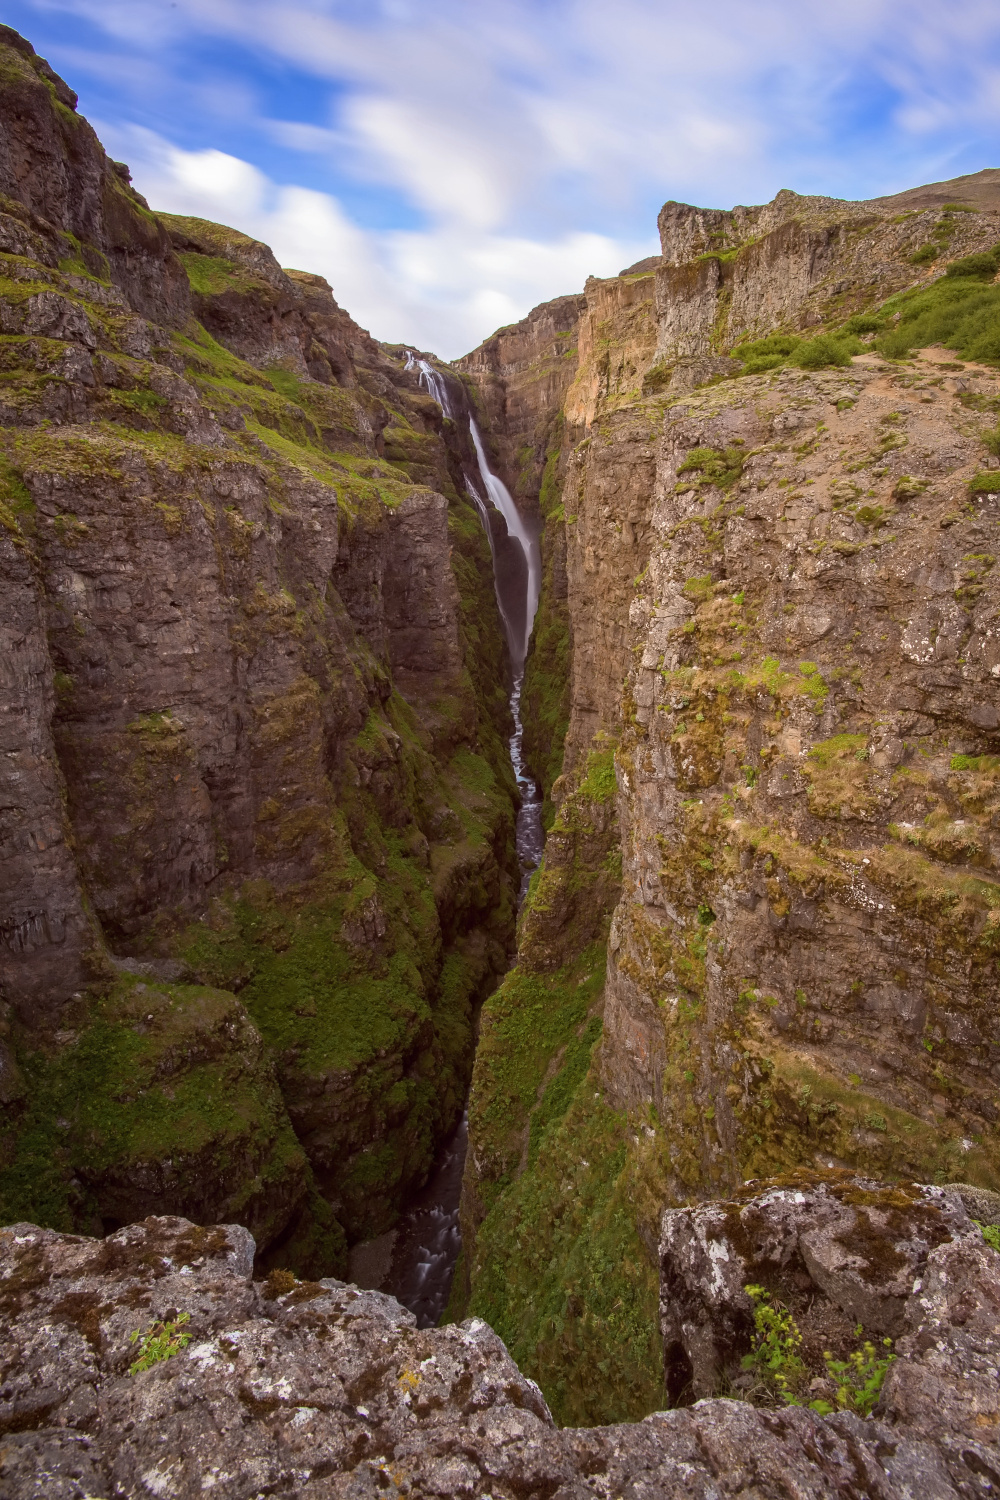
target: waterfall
432 381
501 499
512 635
422 1250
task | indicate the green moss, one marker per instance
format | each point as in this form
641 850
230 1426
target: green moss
561 1272
792 1110
17 509
599 783
525 1024
720 467
839 775
212 274
546 688
159 1073
987 763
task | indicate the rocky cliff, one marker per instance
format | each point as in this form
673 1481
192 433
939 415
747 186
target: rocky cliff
258 809
149 1363
775 508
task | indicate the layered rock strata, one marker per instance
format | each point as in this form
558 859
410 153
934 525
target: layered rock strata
319 1389
258 809
520 377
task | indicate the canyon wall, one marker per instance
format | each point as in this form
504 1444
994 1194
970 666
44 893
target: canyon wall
258 863
779 591
258 809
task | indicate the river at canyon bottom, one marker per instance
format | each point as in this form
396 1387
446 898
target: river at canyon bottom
415 1262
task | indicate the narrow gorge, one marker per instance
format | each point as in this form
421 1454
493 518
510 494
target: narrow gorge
588 750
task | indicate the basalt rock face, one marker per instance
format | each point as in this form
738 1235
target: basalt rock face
319 1389
258 859
521 376
833 883
779 593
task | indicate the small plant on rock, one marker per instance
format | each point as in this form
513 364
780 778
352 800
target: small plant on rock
858 1378
159 1342
777 1359
990 1233
776 1350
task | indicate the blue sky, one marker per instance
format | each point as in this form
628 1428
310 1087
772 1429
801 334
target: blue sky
446 164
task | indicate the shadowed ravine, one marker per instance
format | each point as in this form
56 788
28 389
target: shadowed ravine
415 1262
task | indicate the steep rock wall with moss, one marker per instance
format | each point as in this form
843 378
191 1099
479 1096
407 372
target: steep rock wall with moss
258 808
520 377
780 598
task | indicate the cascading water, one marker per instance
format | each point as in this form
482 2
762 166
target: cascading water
425 1245
503 501
432 381
500 497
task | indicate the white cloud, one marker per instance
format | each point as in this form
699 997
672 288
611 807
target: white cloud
445 288
536 140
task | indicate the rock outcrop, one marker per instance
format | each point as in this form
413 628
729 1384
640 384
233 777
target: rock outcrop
258 863
319 1389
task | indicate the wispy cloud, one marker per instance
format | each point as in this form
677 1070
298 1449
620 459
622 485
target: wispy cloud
511 148
441 288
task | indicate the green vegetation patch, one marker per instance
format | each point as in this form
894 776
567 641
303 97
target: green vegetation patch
159 1073
960 310
719 467
213 274
599 783
562 1274
838 771
525 1025
777 1360
825 349
545 692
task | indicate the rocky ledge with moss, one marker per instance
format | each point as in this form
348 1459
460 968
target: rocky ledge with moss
149 1363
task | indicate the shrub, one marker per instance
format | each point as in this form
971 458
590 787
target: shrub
762 363
863 323
759 355
775 344
984 265
959 312
826 349
924 255
718 466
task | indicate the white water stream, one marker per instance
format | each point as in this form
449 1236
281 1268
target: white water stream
500 497
503 501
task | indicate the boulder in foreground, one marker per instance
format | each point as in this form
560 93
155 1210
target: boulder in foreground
316 1389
